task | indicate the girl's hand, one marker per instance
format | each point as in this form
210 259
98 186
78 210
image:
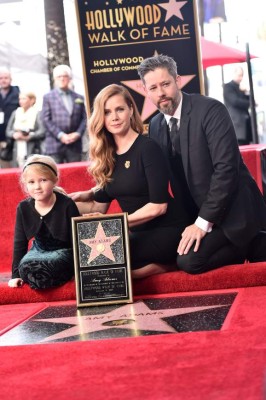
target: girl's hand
16 282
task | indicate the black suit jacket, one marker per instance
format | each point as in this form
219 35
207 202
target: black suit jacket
219 182
8 105
29 222
237 103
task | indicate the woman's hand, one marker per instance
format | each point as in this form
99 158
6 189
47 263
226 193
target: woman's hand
18 135
146 213
16 282
84 196
93 214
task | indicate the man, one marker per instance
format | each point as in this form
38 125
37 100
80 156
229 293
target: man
64 117
9 102
237 103
227 211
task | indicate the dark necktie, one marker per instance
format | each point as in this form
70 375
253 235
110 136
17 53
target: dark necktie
174 135
67 100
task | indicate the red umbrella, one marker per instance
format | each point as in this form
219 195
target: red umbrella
218 54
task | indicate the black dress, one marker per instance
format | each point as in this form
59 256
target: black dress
49 262
140 177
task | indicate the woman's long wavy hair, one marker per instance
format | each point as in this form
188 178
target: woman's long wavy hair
102 145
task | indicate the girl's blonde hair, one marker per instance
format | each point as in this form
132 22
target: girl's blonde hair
44 165
102 145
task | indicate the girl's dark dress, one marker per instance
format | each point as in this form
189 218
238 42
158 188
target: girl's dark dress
49 262
140 177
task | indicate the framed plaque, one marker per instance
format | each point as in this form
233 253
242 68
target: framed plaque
102 260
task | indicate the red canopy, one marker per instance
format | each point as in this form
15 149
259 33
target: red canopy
218 54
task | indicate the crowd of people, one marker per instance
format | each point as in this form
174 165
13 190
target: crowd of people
214 216
56 130
59 129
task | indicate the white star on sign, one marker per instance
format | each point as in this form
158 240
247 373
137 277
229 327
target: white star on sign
173 8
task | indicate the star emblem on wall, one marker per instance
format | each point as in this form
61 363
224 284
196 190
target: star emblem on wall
173 8
100 244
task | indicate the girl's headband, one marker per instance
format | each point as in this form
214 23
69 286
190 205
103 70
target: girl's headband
42 163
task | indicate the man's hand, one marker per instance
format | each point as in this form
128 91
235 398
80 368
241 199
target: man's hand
69 138
190 235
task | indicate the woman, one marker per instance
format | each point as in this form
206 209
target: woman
25 128
130 168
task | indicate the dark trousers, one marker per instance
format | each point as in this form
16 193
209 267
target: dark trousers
66 155
216 251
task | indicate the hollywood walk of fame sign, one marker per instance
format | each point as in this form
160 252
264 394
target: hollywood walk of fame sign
102 259
116 35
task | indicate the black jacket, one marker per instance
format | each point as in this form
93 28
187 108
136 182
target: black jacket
8 105
218 180
29 222
238 103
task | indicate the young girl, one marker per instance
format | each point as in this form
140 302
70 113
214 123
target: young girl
44 216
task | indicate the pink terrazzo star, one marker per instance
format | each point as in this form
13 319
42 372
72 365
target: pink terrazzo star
135 317
100 244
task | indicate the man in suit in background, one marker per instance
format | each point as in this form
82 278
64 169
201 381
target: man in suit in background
237 103
227 211
64 117
9 102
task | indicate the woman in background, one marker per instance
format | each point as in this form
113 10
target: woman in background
26 129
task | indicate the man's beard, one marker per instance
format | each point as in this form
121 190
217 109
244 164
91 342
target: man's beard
168 108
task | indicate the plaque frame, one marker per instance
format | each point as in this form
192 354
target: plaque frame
102 262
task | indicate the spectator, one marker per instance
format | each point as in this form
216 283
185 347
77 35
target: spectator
9 101
236 100
64 117
26 128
